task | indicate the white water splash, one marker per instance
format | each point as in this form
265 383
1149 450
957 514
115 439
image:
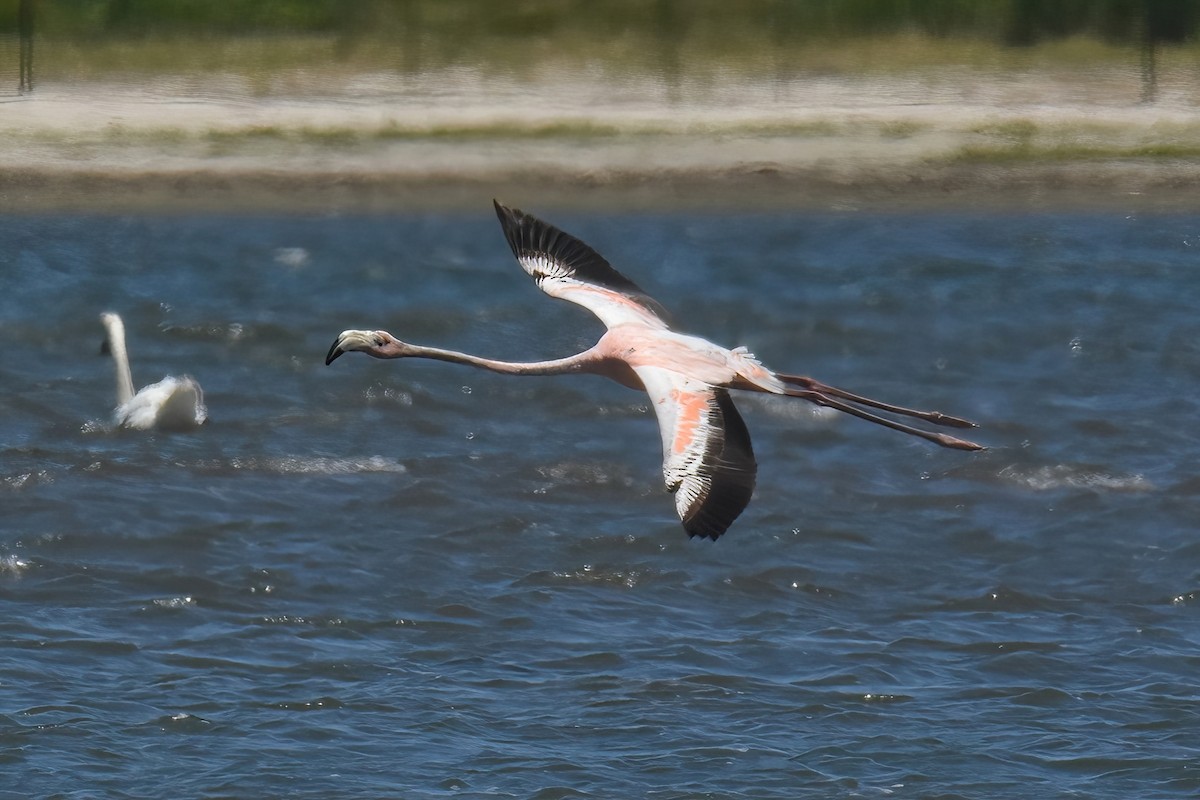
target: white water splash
12 564
175 602
25 480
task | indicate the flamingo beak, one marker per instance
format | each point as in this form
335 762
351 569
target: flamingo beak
334 351
348 341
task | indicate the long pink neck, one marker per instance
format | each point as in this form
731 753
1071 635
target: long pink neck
580 362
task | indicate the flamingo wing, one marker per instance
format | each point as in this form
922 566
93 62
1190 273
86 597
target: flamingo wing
708 462
566 268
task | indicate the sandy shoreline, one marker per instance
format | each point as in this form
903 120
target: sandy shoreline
119 149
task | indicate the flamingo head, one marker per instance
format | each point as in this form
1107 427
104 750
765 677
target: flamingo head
377 344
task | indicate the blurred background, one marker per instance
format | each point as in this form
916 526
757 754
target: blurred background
422 93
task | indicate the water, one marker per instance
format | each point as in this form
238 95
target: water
415 580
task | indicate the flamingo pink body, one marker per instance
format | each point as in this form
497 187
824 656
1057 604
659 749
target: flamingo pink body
708 461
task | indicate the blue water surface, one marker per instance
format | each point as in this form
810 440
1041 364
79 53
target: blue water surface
415 580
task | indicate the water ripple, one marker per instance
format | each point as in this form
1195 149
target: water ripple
362 565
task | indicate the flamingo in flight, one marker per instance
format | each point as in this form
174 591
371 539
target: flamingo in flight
708 462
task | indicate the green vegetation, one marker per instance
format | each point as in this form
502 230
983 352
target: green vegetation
1062 153
1011 22
1022 140
666 39
902 129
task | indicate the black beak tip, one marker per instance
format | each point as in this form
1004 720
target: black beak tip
333 353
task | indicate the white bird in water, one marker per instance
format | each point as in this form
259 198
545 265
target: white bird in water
171 404
708 462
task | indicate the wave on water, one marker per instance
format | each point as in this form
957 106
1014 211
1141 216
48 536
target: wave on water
314 465
1072 476
571 473
275 465
26 480
590 574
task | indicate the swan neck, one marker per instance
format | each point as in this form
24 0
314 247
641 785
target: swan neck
116 346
